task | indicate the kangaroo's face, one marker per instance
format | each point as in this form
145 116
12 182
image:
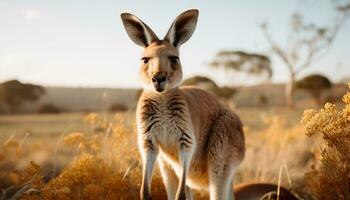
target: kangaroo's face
160 66
160 63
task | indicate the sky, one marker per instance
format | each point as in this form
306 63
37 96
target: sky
82 43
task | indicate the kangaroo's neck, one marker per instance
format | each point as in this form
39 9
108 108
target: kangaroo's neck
163 96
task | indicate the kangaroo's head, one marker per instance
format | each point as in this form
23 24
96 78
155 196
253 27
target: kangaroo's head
160 63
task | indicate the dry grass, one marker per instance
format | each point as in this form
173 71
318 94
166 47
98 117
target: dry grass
330 177
95 157
276 147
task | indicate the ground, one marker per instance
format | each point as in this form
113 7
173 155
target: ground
66 144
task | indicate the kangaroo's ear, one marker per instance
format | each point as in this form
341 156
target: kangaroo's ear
182 28
138 31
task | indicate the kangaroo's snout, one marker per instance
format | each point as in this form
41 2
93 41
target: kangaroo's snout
158 78
159 82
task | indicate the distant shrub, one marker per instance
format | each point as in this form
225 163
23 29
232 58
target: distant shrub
225 92
118 107
315 85
13 93
206 83
331 178
262 100
48 108
201 81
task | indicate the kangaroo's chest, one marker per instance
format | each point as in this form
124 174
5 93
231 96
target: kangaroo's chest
165 119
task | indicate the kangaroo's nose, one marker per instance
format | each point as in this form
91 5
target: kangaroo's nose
158 78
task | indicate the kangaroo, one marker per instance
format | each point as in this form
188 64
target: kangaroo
197 142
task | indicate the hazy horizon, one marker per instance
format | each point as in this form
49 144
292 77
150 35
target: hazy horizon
83 44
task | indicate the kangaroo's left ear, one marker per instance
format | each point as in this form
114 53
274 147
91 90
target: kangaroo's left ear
182 28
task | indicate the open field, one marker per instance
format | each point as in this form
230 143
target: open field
86 155
52 125
59 143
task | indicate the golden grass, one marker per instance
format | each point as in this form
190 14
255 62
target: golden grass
105 164
273 148
330 177
98 159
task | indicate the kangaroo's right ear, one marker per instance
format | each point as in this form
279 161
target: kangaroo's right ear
182 28
138 31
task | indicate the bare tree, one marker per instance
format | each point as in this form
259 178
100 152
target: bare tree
306 44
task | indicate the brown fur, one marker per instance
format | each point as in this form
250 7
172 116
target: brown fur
217 131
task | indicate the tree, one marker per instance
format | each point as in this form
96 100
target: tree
13 93
314 84
208 84
203 81
306 44
250 64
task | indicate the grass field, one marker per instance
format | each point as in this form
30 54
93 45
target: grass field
95 144
52 125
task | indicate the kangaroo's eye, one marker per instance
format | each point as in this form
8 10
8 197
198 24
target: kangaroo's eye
174 60
145 60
